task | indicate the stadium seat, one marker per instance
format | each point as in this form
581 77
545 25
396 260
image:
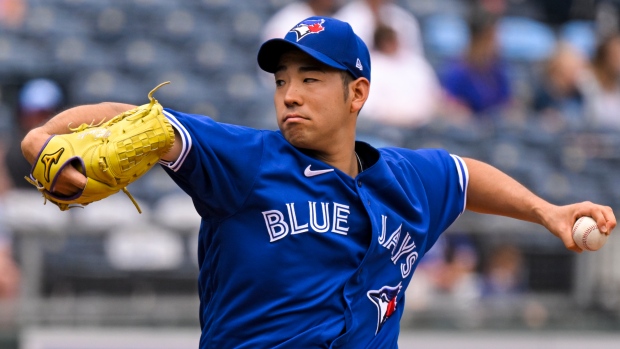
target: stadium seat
107 85
110 214
525 39
423 8
445 35
580 34
152 186
18 54
176 211
77 52
144 247
24 211
111 23
46 20
216 4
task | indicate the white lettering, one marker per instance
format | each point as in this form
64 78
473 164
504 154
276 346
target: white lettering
341 214
407 247
406 268
96 133
383 225
279 226
313 221
392 242
292 218
276 226
404 248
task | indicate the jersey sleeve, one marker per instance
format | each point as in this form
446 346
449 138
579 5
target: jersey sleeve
218 162
444 177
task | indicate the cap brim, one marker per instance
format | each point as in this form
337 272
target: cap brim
270 52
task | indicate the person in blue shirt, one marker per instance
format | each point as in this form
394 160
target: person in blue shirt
478 81
309 238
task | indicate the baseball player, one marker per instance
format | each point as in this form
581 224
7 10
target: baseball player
309 238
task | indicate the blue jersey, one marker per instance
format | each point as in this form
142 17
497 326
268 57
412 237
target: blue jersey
294 253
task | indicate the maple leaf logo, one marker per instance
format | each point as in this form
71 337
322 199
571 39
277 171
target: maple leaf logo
315 28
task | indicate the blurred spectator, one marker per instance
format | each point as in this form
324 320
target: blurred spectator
448 272
504 272
496 7
366 15
478 82
9 271
39 100
12 13
557 94
601 85
287 17
458 276
405 89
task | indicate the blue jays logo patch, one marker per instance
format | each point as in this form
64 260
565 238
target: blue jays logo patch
308 27
385 300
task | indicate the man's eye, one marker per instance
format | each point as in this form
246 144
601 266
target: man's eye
279 82
310 80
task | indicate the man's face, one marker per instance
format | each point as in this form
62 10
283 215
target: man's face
309 99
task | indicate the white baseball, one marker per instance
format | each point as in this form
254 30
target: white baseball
586 234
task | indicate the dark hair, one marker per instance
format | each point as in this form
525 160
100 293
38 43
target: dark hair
346 80
479 21
602 49
382 35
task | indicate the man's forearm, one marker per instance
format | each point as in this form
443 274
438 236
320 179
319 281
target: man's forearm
83 114
61 123
494 192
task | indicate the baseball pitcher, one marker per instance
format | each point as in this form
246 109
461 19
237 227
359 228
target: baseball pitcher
309 238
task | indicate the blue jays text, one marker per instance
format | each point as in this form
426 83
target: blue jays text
278 227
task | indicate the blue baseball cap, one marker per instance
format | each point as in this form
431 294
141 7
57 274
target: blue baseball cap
327 40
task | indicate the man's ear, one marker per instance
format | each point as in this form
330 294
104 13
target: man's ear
359 90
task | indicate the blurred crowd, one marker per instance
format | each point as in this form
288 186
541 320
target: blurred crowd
447 62
473 72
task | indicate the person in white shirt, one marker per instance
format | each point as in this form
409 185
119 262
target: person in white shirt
601 85
366 15
405 88
287 17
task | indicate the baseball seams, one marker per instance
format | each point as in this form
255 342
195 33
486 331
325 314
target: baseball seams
576 226
586 233
584 239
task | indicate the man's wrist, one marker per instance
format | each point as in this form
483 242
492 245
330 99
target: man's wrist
540 211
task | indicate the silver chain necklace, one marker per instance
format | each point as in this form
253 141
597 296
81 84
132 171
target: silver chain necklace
360 168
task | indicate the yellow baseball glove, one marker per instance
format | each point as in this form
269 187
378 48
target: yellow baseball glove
111 155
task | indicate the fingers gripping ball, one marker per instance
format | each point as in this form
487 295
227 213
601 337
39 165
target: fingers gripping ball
110 155
587 236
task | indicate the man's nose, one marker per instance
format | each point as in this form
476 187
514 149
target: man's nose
293 95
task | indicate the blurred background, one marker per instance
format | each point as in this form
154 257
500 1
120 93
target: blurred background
531 87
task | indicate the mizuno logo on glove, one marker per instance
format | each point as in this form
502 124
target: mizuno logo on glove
48 160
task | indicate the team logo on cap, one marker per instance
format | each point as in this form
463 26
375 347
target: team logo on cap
305 28
385 300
